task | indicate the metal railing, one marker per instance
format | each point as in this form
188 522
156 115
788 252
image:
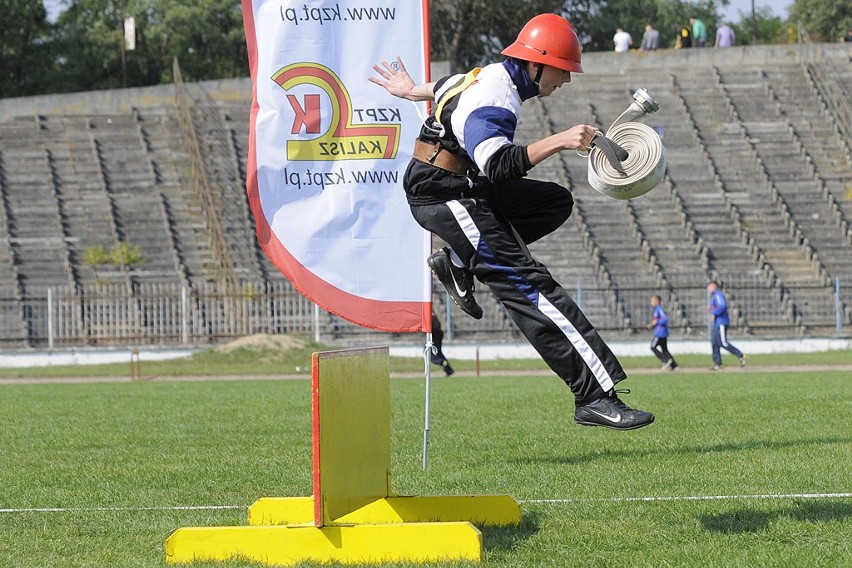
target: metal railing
174 314
833 92
201 183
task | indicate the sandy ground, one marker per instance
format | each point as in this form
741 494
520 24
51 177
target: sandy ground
436 373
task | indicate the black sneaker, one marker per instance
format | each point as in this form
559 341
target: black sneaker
457 281
610 412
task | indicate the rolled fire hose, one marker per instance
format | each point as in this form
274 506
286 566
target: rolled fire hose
620 177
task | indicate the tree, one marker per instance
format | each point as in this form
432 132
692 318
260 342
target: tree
598 19
824 20
24 50
468 33
599 25
205 35
768 28
90 44
473 32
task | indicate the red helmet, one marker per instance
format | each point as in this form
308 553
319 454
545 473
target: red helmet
548 39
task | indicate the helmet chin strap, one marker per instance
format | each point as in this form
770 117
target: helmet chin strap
538 74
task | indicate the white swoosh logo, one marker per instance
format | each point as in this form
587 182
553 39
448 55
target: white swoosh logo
614 420
461 292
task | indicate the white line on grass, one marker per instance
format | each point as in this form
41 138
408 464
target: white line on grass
693 498
95 509
527 501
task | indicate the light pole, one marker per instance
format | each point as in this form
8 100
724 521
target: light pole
753 24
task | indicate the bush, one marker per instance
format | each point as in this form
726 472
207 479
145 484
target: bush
122 254
126 254
96 255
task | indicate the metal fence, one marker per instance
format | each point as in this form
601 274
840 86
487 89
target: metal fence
758 305
171 314
149 314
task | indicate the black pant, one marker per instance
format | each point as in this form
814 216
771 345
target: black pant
437 355
660 347
489 228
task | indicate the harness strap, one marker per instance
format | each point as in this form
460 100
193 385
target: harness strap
468 80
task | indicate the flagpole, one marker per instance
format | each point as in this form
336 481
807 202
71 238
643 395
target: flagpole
427 352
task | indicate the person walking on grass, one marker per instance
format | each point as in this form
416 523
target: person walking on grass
437 353
718 310
467 183
660 324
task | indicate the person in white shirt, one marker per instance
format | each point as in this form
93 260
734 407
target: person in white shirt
622 40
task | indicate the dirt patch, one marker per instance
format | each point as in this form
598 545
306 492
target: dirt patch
419 374
264 342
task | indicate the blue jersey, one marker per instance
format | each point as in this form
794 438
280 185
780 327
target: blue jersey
719 308
661 323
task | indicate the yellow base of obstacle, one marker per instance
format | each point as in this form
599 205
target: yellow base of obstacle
353 516
285 545
490 510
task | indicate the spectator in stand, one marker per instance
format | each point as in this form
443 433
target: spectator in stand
725 36
622 41
699 32
683 37
650 39
847 38
718 310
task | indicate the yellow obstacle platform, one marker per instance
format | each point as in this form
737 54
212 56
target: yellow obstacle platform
353 516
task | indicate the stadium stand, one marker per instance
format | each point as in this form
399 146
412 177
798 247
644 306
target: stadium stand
758 194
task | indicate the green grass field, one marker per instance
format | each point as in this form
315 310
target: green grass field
117 459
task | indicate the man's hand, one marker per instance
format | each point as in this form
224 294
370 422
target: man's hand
579 137
575 138
395 79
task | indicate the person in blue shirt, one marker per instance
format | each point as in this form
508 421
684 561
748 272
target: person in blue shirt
718 310
660 325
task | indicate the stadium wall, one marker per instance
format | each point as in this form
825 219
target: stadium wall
119 100
123 100
603 64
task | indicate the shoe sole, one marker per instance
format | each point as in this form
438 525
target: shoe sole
449 284
611 427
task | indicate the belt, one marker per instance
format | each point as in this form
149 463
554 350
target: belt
438 156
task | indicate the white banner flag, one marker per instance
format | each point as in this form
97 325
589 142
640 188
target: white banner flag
327 152
130 33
